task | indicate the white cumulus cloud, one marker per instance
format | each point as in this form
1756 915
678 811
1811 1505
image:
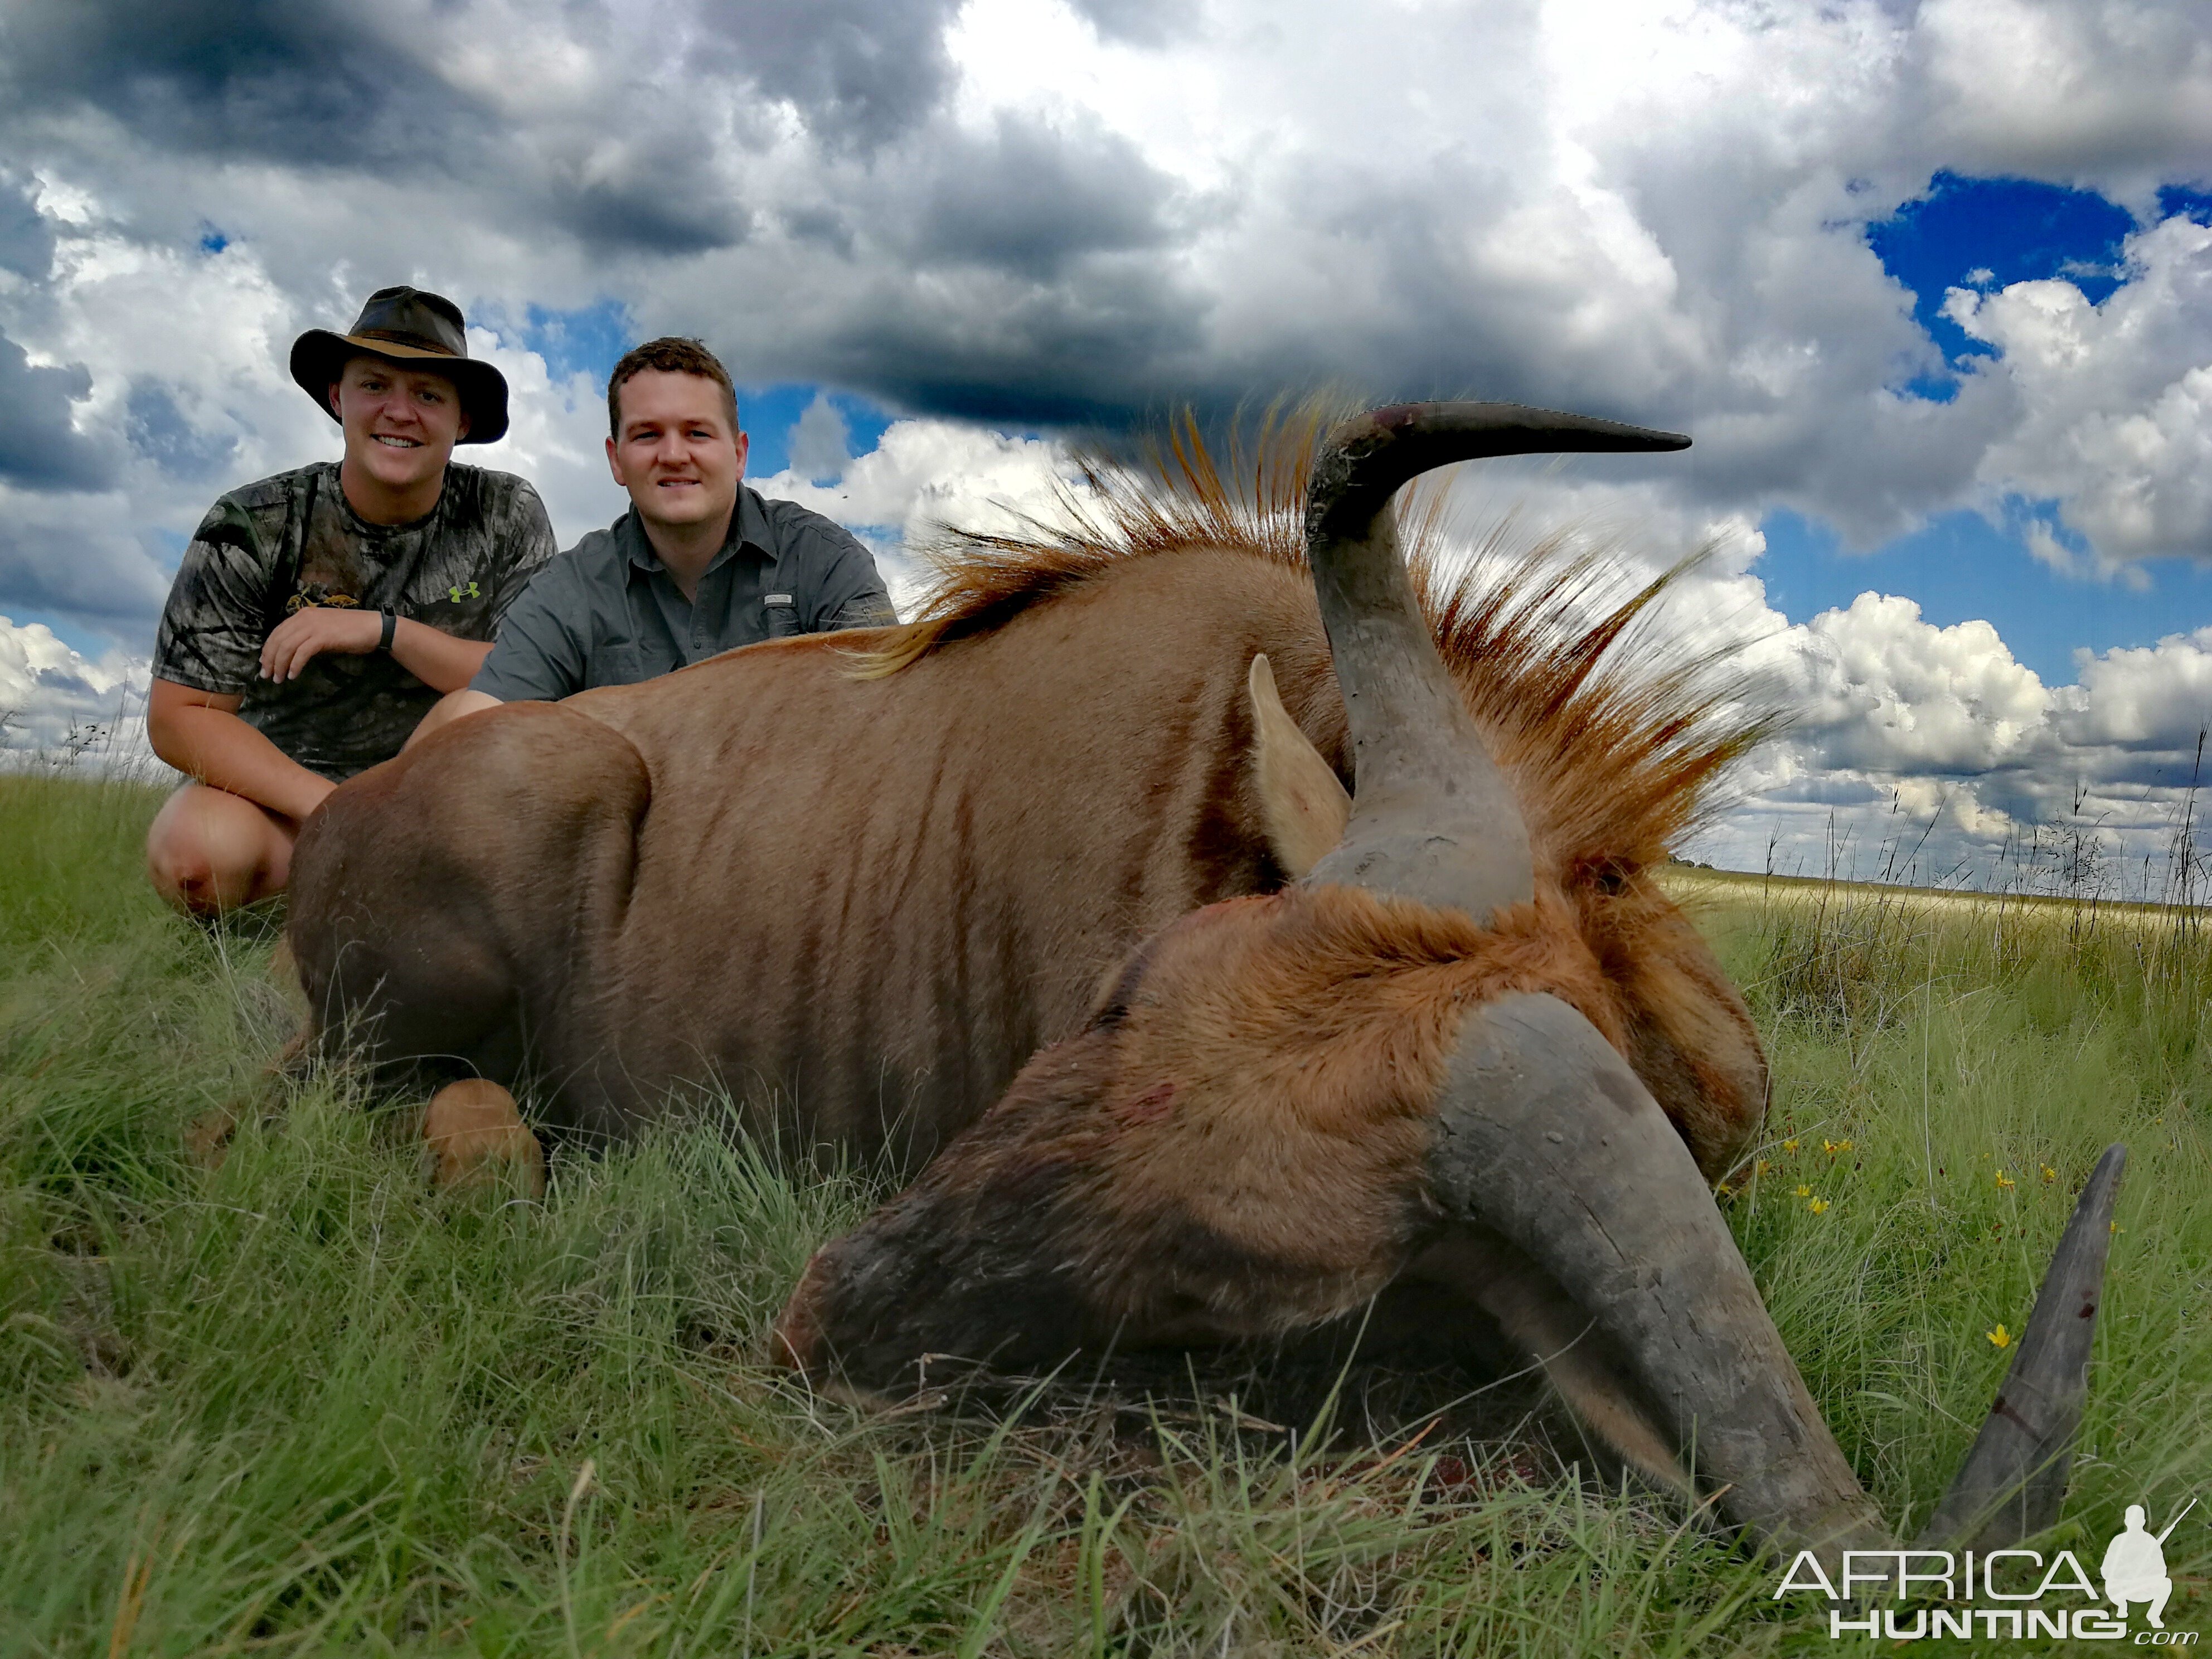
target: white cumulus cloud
54 701
2113 402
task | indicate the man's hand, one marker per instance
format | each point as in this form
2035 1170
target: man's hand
305 635
431 655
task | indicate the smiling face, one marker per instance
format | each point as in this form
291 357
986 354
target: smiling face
678 451
401 425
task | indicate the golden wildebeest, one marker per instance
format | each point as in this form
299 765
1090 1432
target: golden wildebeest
1078 843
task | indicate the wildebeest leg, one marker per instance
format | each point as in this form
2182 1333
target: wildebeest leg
442 901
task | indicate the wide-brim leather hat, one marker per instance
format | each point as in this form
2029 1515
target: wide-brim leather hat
416 330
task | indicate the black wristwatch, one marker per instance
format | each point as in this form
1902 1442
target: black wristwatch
391 628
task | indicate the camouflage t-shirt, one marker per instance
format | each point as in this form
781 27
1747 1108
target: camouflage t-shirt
272 548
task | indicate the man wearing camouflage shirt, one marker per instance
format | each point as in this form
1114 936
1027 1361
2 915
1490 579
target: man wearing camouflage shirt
701 564
318 615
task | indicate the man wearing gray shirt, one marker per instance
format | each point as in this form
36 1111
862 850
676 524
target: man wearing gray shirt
700 565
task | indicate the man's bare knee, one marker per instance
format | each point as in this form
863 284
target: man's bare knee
208 851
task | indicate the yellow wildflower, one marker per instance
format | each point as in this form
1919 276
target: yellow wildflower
2004 1181
1764 1167
2050 1175
1817 1207
1789 1146
1999 1338
1804 1192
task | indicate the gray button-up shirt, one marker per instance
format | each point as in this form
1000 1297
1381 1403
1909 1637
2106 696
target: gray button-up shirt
607 612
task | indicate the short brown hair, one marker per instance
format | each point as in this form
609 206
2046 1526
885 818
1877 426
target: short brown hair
671 353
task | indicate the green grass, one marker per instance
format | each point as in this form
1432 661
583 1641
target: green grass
299 1405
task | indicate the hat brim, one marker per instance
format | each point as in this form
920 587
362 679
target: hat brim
318 356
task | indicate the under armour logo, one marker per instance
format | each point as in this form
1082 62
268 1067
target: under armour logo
457 594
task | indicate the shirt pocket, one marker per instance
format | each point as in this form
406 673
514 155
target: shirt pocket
782 613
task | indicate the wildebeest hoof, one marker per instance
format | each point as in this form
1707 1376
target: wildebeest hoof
473 1136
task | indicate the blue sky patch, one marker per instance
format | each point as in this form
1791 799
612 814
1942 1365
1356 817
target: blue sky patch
213 240
1991 232
587 341
2179 199
769 414
1933 388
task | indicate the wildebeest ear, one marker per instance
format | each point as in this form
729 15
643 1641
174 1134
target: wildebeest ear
1303 807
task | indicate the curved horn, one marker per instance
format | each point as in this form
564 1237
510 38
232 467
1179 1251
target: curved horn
1432 817
1545 1136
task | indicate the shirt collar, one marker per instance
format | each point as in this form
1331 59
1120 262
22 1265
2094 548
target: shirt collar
748 528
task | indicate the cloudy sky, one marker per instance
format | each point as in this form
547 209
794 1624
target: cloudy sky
1930 284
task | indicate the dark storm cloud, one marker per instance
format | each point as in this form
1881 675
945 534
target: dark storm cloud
860 72
993 350
103 576
824 226
1028 288
310 82
26 241
158 429
302 82
1012 275
39 449
295 81
665 211
1030 200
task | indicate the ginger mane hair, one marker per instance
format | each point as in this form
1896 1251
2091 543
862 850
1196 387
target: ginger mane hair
1618 736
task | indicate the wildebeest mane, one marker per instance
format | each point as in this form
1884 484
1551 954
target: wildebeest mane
1617 732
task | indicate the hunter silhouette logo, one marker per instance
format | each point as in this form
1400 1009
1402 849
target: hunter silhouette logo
2017 1581
2135 1565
